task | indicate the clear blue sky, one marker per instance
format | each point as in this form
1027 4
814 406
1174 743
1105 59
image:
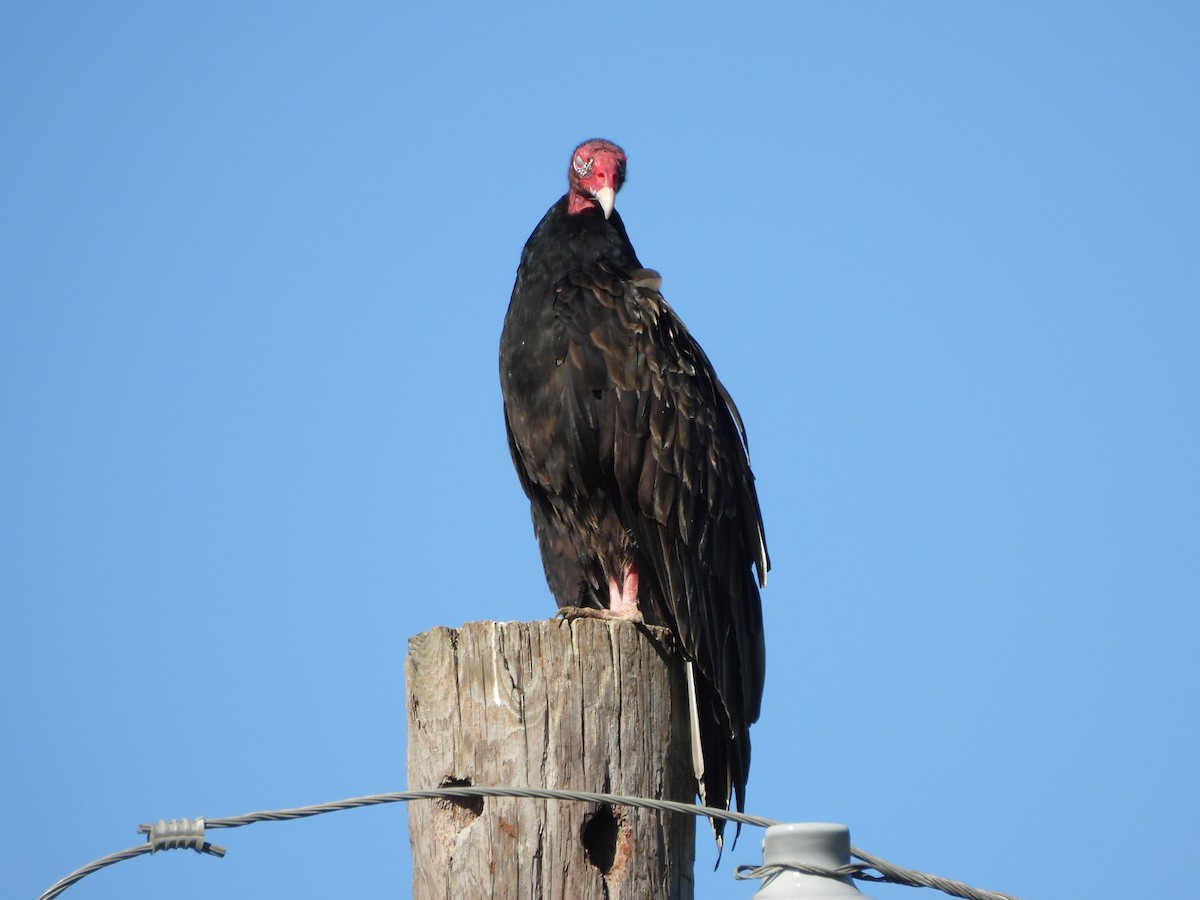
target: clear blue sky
254 264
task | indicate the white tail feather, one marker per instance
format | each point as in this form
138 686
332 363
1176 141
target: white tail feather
694 727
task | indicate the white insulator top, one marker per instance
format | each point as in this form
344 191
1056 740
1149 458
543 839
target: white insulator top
807 844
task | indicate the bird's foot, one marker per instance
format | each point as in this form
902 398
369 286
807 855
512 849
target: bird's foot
590 612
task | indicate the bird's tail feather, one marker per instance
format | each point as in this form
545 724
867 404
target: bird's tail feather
697 747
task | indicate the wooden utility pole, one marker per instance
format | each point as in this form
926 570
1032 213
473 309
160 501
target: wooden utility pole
586 704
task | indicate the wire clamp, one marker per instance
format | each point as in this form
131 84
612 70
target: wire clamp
755 873
179 834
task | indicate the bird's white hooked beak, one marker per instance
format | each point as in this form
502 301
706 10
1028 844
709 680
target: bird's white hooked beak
607 198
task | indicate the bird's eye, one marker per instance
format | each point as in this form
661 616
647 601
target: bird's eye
583 168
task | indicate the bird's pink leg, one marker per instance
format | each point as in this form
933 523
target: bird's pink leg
622 601
623 598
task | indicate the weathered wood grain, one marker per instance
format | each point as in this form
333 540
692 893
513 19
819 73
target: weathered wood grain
583 704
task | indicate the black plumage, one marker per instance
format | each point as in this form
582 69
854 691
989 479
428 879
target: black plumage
634 459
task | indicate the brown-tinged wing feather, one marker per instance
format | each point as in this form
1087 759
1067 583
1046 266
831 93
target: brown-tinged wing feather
645 408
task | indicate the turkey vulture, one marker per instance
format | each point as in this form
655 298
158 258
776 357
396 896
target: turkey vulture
634 459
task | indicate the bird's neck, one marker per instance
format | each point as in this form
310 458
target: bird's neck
579 204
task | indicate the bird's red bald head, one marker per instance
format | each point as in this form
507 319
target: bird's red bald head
596 173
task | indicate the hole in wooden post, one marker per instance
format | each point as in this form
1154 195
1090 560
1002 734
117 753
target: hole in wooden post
472 805
600 838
